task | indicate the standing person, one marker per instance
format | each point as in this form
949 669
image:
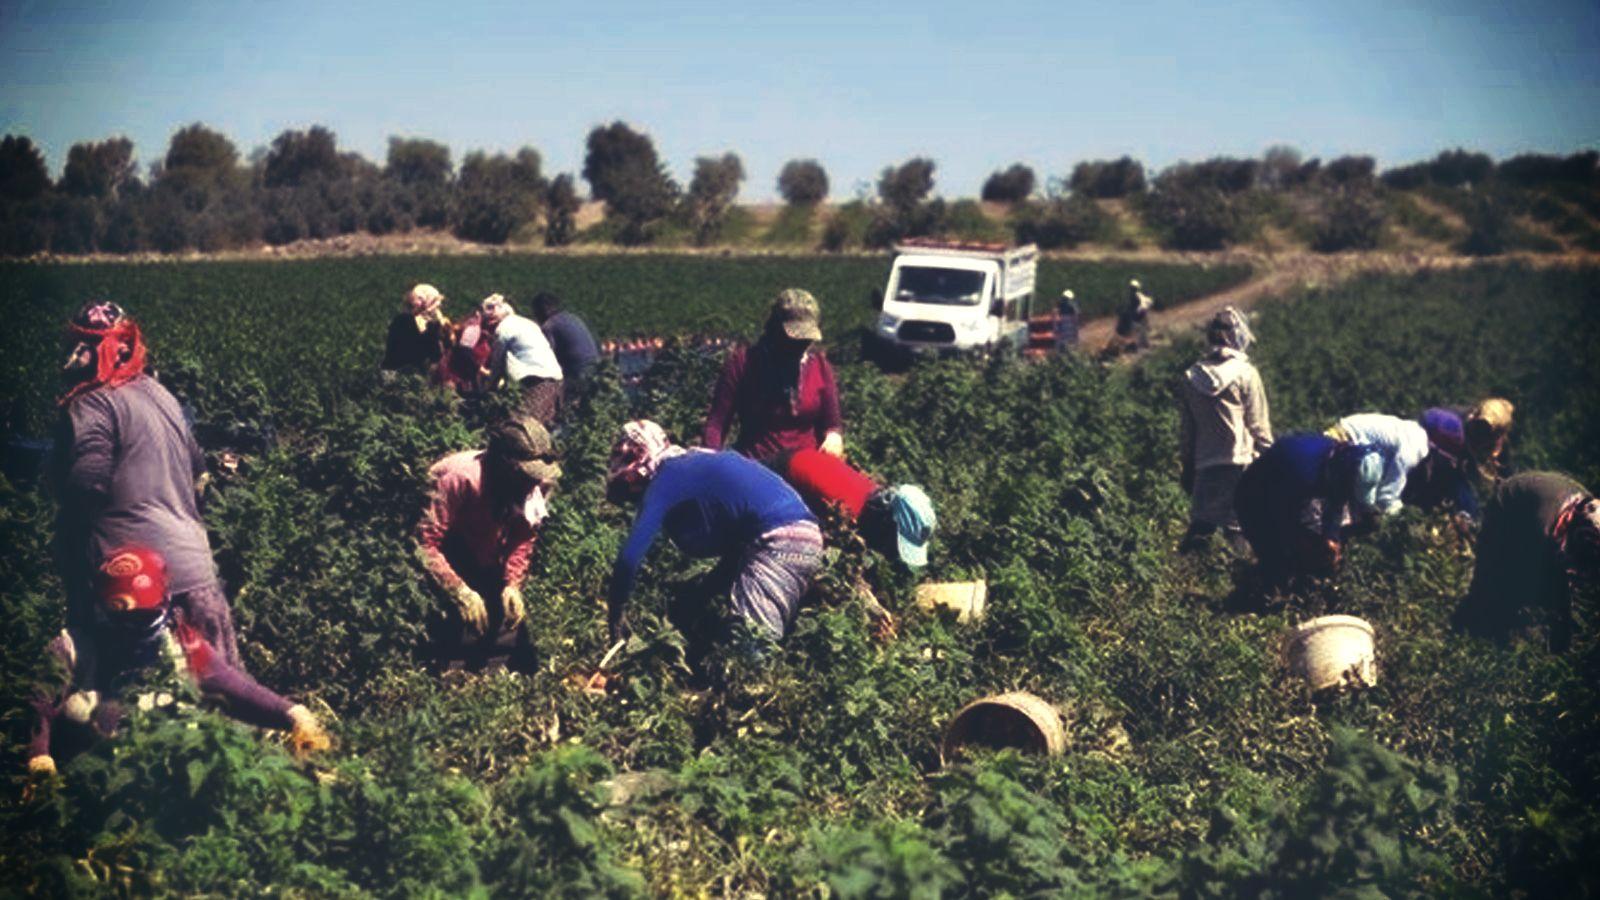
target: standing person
712 505
1225 426
1404 444
1067 322
127 470
1292 500
781 388
896 521
522 356
476 538
1539 546
1133 322
418 334
135 627
573 343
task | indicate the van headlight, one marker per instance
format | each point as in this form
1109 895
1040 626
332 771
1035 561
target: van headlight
887 323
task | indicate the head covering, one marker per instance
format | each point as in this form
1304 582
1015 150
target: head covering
1495 412
1134 283
914 520
796 314
114 341
1368 476
1445 431
495 307
639 451
1068 294
131 579
1230 329
523 445
423 299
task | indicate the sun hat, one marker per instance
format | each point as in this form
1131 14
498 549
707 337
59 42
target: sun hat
914 521
525 446
132 579
796 312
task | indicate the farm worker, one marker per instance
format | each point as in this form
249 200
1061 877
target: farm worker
466 359
1488 426
1445 474
781 388
1133 322
573 343
476 538
127 471
136 626
1292 500
418 334
1404 443
1223 410
896 521
713 505
1539 546
1067 322
522 356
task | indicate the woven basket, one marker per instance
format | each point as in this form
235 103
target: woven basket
964 598
1015 720
1334 653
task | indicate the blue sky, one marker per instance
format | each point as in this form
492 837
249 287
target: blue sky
857 85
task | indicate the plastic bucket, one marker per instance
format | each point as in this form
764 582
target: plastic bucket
1016 720
964 598
1334 653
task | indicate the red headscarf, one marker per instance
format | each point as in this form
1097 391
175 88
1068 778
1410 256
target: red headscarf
118 347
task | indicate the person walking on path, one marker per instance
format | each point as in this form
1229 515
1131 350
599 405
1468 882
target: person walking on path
1133 321
523 357
1539 549
1292 501
418 334
1067 312
476 538
135 627
573 343
713 505
1225 425
127 471
781 389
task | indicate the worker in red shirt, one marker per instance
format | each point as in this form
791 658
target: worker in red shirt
896 521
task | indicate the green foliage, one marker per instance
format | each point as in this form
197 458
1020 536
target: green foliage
803 182
1349 219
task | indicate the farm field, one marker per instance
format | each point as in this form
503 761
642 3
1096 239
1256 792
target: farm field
1195 765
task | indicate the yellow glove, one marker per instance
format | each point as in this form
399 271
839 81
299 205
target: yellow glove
42 766
307 735
511 602
472 609
833 444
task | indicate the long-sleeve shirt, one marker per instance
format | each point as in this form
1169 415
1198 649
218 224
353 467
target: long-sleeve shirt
822 479
1299 468
1520 569
1404 443
460 529
409 349
769 422
1223 409
105 662
573 344
126 465
522 351
710 505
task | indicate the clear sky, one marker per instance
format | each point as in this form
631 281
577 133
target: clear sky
857 85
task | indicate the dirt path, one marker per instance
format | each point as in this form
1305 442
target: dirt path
1281 276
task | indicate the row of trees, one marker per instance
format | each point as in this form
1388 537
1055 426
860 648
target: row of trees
202 195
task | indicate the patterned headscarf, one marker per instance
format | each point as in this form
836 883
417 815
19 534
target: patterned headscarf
1230 329
495 307
115 341
1577 532
639 453
423 299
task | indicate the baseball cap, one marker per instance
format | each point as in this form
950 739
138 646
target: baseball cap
914 521
797 313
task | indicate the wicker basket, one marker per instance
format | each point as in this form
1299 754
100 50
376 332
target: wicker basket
1334 653
964 598
1016 720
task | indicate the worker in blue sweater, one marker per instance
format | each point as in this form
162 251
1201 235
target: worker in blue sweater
1295 500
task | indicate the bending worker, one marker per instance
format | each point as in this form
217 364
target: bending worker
1540 545
523 357
896 521
1225 425
713 505
418 334
781 388
1404 444
1292 500
135 627
476 538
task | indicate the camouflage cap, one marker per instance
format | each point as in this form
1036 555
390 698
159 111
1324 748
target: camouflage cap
797 314
525 445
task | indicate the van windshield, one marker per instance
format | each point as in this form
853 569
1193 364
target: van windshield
925 284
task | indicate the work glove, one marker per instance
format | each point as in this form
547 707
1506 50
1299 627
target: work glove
306 736
41 766
833 444
511 602
472 609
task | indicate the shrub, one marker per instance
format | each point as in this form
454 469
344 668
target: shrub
711 194
1194 217
1063 222
1349 220
1108 178
1012 185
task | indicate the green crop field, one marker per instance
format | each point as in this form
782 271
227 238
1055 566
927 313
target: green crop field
1195 765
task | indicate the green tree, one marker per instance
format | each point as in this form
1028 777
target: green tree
497 195
561 205
416 161
198 154
902 188
98 170
622 169
299 157
803 182
711 194
1012 185
23 175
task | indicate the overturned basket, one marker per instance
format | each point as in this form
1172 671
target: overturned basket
1334 653
1016 720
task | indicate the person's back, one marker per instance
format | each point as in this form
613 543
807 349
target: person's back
572 342
712 503
1227 409
522 351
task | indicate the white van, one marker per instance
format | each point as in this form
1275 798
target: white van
951 297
